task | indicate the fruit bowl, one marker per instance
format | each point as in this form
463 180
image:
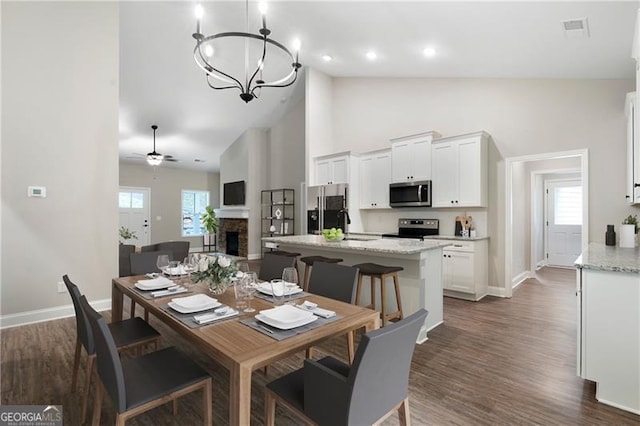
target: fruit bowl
334 239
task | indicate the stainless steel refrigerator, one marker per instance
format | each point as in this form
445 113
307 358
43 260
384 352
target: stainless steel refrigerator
327 207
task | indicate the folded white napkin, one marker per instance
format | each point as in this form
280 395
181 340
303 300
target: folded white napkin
313 307
206 318
176 289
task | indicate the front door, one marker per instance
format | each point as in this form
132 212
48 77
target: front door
564 221
134 213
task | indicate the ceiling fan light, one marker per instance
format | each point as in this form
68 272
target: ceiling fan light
154 159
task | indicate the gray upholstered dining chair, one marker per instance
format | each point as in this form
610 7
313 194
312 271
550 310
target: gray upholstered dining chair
272 266
136 385
124 259
337 282
329 392
143 263
127 334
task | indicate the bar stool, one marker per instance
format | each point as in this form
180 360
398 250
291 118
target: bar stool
308 264
381 272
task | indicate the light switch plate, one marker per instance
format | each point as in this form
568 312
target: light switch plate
61 287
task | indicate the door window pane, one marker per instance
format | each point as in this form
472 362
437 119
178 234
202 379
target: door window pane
568 205
130 200
193 206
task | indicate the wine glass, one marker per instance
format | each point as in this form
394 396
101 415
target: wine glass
189 265
163 262
290 278
243 267
250 289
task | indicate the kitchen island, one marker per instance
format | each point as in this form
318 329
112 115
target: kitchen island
420 281
608 290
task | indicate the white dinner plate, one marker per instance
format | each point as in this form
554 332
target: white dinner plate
182 310
286 314
194 301
287 326
291 289
154 284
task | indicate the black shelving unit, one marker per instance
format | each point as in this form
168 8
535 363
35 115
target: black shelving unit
278 213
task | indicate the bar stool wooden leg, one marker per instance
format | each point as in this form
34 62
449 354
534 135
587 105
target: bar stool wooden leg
383 301
396 284
359 289
372 283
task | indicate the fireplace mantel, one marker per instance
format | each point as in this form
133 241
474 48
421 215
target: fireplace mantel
232 213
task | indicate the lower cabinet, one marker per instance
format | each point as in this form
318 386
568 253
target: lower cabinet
464 269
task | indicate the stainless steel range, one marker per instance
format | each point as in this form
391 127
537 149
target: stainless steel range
416 228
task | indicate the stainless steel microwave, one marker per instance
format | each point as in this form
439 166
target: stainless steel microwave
410 194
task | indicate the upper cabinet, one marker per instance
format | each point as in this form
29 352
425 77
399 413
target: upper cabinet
633 151
411 157
332 169
375 177
459 171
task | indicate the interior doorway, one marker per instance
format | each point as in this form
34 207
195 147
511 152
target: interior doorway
523 226
563 221
135 210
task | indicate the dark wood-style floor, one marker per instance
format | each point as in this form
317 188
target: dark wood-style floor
493 362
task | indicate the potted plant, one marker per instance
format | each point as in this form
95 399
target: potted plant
628 231
210 222
126 234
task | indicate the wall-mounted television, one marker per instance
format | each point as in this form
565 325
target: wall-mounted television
233 193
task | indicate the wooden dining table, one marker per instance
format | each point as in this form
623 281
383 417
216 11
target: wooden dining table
236 346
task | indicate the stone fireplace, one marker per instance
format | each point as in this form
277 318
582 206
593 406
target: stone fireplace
230 228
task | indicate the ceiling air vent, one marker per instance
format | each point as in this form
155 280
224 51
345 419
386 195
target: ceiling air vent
576 28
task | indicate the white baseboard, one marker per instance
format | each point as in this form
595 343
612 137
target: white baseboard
519 279
496 291
40 315
254 256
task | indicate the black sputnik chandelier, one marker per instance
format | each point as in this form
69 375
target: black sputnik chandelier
211 58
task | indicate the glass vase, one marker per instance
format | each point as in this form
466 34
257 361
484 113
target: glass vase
217 286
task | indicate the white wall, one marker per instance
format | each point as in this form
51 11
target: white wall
319 139
60 130
524 117
245 160
166 185
286 156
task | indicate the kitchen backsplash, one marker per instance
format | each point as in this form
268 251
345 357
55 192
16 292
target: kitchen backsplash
386 221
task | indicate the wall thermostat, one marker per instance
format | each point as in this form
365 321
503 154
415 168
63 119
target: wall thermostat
37 191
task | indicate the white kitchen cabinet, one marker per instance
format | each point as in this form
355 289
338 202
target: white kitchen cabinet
459 171
375 177
609 335
332 169
633 152
411 157
465 269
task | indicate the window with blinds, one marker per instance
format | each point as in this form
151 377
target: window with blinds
568 205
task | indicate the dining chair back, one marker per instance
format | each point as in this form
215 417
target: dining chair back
329 392
138 384
179 249
127 334
145 262
333 280
272 266
124 259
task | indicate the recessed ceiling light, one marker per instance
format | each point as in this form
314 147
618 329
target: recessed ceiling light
198 160
429 52
371 55
326 58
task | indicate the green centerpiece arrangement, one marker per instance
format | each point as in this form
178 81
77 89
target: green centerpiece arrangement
217 271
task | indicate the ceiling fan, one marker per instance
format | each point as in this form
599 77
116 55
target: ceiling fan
155 158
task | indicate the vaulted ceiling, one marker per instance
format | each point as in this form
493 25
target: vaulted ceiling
160 83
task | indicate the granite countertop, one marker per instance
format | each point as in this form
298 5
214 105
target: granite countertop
395 246
455 238
609 258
